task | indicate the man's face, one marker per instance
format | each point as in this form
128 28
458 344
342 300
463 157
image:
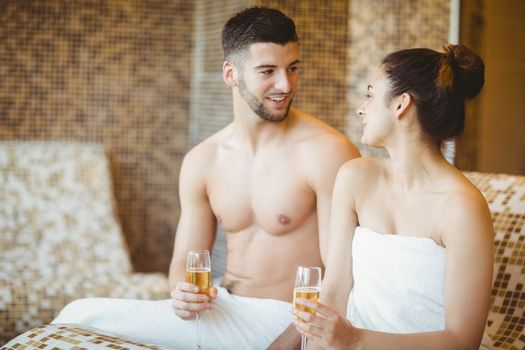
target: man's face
269 78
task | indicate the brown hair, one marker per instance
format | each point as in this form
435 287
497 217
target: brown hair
439 83
256 25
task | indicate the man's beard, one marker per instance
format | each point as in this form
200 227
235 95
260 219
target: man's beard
258 107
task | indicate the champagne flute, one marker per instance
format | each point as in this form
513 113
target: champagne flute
198 272
307 286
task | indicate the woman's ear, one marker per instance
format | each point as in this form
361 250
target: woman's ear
229 74
401 104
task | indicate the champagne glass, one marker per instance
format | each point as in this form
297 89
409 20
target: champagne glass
307 286
198 272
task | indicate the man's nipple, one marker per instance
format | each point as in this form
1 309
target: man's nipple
283 219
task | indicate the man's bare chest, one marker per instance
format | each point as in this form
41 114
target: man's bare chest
274 197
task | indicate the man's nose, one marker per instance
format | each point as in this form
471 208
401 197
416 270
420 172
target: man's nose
360 112
283 82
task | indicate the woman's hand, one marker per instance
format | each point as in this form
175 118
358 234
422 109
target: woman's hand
327 328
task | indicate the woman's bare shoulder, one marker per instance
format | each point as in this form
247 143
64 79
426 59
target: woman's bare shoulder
466 211
464 194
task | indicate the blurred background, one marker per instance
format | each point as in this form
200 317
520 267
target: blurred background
144 79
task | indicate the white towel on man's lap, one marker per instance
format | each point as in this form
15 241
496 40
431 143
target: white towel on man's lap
233 322
399 284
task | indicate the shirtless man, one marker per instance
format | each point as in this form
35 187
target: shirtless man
267 179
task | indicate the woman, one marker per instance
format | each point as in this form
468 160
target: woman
411 247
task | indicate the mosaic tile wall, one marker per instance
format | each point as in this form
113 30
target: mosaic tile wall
119 73
115 72
322 28
333 74
211 101
378 27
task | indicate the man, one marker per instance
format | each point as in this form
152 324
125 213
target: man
267 179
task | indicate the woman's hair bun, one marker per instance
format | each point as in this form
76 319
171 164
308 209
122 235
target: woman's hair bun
468 70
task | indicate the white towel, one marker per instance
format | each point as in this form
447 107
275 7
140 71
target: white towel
233 322
399 284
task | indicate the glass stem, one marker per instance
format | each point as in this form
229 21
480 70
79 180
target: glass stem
198 331
303 342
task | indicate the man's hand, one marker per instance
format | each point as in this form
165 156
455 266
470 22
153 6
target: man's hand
187 303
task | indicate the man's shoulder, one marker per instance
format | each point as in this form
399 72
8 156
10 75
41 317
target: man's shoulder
201 153
201 156
323 139
314 124
206 150
361 170
375 164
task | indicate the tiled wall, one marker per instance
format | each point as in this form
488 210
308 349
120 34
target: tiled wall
342 42
211 102
472 34
322 27
378 27
115 72
119 72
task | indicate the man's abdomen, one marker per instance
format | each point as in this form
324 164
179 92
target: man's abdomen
263 265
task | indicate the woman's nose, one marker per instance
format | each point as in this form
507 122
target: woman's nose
360 112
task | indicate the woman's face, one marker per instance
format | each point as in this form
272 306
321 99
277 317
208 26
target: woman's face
376 111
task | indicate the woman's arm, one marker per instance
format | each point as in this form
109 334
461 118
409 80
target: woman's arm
338 280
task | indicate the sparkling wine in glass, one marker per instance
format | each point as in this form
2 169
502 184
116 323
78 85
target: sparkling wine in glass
198 272
307 286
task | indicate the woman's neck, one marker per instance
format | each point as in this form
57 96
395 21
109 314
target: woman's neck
414 165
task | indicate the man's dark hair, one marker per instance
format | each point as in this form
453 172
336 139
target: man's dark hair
256 25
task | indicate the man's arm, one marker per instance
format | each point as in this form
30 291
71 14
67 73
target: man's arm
195 230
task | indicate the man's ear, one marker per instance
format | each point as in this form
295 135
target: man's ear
229 74
401 104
